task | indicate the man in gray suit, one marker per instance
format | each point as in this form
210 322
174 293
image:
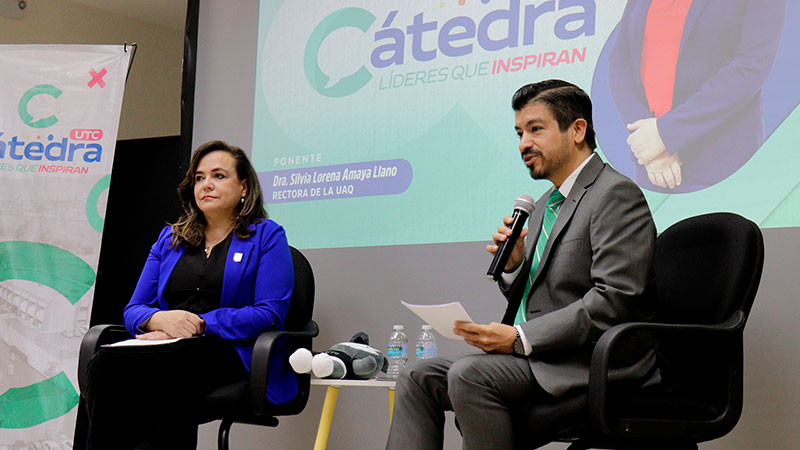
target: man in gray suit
586 267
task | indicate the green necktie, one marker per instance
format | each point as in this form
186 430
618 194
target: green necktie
554 202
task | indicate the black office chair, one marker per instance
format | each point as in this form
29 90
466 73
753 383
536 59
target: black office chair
707 269
243 402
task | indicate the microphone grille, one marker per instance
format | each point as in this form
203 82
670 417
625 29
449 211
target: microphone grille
525 203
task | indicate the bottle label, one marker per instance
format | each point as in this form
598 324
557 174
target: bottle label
426 350
396 350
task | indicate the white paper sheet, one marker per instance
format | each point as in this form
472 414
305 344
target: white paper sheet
441 317
142 342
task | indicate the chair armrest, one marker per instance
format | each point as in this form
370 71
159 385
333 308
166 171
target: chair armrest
601 356
96 336
259 365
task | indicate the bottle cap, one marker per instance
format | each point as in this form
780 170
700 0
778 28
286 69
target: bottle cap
397 327
427 327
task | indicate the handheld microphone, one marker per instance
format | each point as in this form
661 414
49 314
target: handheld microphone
523 207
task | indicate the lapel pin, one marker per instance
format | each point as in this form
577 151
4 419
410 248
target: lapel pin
237 257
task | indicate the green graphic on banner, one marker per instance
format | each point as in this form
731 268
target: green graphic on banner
347 17
31 405
42 89
92 215
47 265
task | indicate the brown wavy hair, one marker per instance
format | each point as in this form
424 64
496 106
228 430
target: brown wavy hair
190 228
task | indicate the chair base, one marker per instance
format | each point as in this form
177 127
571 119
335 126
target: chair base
224 434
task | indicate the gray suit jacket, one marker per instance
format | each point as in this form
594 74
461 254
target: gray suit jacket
594 273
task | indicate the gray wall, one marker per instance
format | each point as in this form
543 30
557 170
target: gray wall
361 288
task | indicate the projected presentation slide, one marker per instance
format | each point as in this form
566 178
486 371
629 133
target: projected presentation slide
390 123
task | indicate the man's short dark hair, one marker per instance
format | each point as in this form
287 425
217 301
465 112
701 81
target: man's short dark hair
566 102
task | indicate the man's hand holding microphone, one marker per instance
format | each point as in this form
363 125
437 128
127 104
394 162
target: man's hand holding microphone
509 253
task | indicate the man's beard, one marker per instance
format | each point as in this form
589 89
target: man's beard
537 175
536 170
543 169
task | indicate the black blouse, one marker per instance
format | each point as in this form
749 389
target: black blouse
196 282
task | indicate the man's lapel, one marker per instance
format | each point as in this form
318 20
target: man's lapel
636 38
694 12
584 180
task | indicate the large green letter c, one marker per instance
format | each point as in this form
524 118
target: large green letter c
346 17
42 89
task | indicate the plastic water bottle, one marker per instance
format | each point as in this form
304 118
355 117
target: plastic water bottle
397 351
426 343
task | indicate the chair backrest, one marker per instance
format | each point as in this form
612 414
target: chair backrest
298 316
707 267
302 304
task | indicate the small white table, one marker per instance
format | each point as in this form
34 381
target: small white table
331 395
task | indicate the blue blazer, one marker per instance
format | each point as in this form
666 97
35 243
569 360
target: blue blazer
256 291
726 53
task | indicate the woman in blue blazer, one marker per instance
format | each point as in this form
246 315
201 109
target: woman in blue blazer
221 274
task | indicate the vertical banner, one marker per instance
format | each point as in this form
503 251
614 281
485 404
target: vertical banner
59 115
